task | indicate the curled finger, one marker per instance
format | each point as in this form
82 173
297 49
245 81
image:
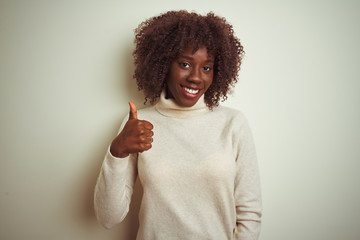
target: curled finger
145 146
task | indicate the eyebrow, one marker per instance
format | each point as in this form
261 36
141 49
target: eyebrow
191 58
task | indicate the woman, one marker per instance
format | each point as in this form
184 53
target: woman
195 159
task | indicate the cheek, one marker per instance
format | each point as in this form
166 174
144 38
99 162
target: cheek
209 81
173 76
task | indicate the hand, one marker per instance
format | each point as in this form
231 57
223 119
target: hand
135 137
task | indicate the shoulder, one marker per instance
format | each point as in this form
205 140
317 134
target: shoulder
232 119
146 111
229 113
142 113
237 124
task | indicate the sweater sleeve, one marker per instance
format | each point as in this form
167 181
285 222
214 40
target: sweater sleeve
247 191
114 188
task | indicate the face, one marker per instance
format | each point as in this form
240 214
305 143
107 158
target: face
191 74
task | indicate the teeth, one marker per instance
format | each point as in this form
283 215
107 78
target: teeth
191 91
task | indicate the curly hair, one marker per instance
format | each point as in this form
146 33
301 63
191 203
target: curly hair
160 39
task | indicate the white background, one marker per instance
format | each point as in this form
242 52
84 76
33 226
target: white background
66 77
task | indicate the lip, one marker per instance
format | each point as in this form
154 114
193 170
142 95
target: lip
189 94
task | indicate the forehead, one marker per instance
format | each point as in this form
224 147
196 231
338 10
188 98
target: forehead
201 52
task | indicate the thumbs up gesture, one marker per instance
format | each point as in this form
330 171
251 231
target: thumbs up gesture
135 137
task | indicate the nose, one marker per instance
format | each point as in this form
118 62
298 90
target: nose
194 76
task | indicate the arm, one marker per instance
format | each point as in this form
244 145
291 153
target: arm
118 173
114 189
247 186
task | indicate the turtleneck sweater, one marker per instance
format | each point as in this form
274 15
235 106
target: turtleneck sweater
200 179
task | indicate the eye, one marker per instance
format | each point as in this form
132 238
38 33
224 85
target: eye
207 68
184 65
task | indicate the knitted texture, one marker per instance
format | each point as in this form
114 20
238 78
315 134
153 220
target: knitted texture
200 178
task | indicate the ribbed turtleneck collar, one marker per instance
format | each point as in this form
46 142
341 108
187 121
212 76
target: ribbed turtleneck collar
168 107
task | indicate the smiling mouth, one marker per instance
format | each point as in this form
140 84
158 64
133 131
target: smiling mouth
191 90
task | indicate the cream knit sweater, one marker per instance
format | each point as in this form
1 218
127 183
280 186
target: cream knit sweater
200 178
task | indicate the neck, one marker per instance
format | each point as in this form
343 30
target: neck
168 107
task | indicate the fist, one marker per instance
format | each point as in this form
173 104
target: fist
135 137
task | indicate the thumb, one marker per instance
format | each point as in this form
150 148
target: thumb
133 111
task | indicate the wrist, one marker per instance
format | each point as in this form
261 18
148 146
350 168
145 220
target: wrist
117 151
118 154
